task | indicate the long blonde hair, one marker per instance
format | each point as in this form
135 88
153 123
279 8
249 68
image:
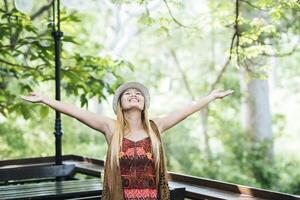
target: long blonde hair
117 137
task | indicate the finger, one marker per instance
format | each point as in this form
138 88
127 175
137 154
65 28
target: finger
24 98
228 94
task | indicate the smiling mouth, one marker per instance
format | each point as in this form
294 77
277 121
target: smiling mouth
133 100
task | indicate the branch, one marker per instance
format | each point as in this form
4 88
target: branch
173 18
8 20
6 5
235 36
15 36
41 10
236 26
183 75
213 86
16 65
253 6
203 114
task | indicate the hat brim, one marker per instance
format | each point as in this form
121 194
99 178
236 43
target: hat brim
128 85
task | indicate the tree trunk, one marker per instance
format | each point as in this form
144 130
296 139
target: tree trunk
256 114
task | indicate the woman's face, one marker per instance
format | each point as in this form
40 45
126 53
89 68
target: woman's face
132 98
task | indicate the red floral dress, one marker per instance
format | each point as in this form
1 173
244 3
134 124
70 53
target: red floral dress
137 170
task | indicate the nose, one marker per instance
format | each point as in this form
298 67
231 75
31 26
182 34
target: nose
133 95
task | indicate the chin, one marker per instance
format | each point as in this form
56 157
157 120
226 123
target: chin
134 108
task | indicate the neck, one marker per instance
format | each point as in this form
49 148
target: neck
134 118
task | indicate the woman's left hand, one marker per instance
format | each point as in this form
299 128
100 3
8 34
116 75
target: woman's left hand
219 93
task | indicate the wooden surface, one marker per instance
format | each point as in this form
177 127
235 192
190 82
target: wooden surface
195 187
202 188
52 190
75 189
36 172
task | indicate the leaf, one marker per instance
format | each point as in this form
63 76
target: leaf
69 39
71 75
2 111
146 19
25 111
44 111
83 100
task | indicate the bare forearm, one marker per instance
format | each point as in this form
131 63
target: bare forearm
177 116
62 107
194 107
198 105
98 122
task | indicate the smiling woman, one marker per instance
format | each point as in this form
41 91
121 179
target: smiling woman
139 154
132 98
135 163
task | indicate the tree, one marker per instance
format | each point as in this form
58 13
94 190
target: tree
26 60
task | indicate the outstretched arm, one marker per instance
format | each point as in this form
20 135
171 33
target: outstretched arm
177 116
98 122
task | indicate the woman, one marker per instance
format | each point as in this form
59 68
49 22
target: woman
135 161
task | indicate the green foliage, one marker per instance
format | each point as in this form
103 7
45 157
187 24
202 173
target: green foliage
199 35
146 19
261 25
12 142
241 161
26 60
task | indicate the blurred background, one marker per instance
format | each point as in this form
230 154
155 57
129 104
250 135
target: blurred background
180 50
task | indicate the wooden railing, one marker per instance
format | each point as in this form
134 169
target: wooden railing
25 172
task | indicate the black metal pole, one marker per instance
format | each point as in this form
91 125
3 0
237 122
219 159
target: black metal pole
57 34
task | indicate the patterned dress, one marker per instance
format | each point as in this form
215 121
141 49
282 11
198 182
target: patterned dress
137 170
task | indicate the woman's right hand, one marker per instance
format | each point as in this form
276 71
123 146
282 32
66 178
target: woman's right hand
34 97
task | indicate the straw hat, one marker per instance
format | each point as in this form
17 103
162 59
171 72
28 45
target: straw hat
128 85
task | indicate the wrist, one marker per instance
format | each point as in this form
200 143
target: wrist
211 97
45 100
